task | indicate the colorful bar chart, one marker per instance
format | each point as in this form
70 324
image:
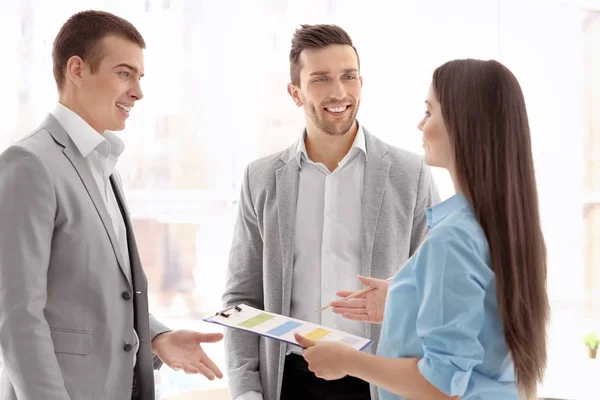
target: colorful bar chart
281 327
284 328
317 334
255 321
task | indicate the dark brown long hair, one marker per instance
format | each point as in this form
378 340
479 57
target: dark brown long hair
485 116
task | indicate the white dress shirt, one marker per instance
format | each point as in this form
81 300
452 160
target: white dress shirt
328 244
101 154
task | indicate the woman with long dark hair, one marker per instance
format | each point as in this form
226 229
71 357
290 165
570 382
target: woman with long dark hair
466 316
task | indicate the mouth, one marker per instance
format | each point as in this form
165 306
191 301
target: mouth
338 110
125 109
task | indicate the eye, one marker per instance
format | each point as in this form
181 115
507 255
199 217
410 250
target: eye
320 79
124 74
427 114
351 77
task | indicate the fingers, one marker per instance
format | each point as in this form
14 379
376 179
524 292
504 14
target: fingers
176 366
209 337
211 366
344 293
204 370
356 317
304 342
355 314
376 283
356 311
366 281
352 303
190 370
205 367
195 368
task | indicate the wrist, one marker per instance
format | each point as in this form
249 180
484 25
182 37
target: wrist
159 338
352 361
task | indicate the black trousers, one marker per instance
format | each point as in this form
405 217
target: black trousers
301 383
135 395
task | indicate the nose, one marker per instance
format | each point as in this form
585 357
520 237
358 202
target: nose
420 125
337 90
136 92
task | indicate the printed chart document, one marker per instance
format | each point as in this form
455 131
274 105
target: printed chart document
282 328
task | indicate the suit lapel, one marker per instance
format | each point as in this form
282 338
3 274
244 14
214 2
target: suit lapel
287 194
138 276
143 367
85 174
131 245
376 174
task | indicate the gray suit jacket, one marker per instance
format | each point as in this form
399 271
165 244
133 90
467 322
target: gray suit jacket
66 306
397 190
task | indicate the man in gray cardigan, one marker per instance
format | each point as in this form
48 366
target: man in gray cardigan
337 204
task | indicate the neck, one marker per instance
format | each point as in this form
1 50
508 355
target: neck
329 149
455 181
69 101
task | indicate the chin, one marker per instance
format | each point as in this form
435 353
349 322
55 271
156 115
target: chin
340 129
429 161
117 127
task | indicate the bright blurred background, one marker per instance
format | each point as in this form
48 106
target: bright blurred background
215 99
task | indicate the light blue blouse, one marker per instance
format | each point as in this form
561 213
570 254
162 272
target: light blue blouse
441 307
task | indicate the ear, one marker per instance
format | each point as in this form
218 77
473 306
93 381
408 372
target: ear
361 81
75 70
294 92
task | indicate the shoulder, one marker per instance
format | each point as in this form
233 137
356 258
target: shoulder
399 159
261 173
456 247
31 150
26 174
265 168
404 159
461 227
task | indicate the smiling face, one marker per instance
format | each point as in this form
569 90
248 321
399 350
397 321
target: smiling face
104 98
329 89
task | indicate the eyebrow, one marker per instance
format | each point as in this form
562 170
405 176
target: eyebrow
346 71
131 67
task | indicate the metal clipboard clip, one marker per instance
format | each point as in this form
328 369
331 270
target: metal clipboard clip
223 313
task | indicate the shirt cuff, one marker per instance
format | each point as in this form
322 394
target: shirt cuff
449 380
251 395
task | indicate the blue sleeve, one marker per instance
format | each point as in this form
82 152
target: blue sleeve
451 280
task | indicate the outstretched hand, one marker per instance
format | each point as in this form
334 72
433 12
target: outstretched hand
367 307
181 350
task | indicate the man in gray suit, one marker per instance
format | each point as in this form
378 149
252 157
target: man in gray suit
336 204
74 321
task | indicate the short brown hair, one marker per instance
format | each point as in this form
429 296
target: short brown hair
315 37
81 36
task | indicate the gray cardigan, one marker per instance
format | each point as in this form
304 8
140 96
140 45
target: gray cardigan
398 189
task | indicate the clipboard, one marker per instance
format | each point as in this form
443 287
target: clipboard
279 327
